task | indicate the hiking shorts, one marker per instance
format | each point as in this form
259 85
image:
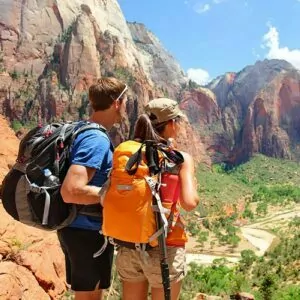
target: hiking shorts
83 271
134 266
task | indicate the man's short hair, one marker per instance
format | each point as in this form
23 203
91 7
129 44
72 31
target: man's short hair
104 92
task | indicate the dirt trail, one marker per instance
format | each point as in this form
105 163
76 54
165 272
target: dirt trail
257 234
260 239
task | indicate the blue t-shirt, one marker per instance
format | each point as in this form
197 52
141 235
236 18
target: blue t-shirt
92 148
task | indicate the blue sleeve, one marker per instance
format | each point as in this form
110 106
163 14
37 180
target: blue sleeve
89 149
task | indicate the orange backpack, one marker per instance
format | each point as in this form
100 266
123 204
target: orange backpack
133 197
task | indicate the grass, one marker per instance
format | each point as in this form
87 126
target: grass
219 186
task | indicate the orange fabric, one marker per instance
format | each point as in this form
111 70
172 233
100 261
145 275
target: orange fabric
128 214
177 235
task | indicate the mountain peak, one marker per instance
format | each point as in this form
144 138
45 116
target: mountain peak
276 64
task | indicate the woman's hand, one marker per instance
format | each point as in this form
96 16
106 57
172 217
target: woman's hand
171 143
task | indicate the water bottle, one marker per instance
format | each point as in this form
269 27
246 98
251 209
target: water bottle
50 179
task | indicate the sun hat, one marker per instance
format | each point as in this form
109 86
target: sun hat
164 109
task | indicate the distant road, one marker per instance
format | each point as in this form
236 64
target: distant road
255 234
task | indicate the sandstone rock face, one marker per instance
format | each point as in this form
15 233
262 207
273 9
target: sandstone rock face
8 147
260 110
205 115
255 110
201 106
17 282
30 29
187 140
221 87
164 71
31 261
52 51
81 52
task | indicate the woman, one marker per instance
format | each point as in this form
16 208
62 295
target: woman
161 122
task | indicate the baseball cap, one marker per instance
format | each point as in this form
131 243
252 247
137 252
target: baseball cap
164 109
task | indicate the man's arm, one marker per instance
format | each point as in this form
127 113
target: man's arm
75 188
87 155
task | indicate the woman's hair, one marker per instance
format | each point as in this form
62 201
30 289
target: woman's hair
144 130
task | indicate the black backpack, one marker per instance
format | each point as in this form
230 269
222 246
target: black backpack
27 193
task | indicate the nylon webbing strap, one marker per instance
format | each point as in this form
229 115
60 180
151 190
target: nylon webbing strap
61 138
134 162
152 157
158 208
38 189
46 208
85 127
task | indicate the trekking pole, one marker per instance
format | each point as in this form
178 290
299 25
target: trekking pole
152 159
165 274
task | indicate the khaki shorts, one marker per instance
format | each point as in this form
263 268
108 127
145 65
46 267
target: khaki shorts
133 265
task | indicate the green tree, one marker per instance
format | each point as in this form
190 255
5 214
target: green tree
262 208
15 75
248 257
291 292
202 237
268 285
16 125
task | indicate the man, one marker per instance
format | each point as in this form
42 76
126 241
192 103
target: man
91 160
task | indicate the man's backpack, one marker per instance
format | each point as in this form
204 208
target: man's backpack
133 198
31 189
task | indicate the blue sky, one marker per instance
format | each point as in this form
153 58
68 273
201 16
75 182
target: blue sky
211 37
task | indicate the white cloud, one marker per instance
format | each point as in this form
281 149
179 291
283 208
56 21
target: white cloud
254 53
200 76
201 8
272 43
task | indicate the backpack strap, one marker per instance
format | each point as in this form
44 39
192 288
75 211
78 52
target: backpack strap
158 208
59 142
134 161
173 156
87 126
152 158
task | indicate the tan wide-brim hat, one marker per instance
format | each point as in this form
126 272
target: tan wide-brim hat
164 109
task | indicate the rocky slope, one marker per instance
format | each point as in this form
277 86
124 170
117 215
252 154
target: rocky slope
8 147
70 44
260 109
52 51
27 271
254 110
163 69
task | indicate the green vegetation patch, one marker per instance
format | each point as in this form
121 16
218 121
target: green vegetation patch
272 277
261 178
